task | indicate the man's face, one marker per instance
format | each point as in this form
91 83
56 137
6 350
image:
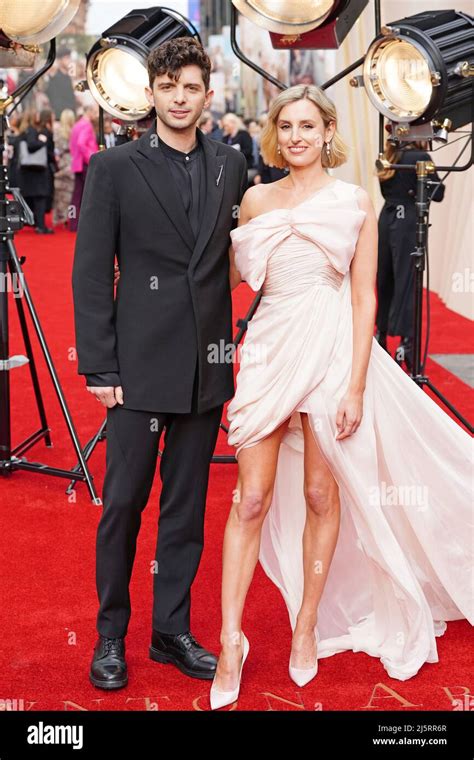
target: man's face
64 63
92 112
179 103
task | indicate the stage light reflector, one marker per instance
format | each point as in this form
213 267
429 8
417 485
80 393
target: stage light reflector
35 21
118 79
303 24
419 66
117 63
286 16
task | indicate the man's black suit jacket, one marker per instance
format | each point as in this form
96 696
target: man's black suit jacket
173 300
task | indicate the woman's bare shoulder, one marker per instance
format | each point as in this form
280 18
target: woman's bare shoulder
258 199
363 198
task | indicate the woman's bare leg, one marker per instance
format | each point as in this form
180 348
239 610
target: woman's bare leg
319 542
251 501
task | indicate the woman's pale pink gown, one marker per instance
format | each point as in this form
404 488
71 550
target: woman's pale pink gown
403 561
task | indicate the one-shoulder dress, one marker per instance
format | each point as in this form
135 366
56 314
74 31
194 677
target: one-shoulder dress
403 561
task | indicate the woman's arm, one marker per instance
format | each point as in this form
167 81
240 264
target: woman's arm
363 275
234 274
34 140
244 216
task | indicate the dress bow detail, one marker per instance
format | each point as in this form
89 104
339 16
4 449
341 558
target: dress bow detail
332 225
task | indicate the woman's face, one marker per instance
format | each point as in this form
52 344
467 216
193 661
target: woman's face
301 132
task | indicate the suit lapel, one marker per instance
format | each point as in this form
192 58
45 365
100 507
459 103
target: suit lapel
215 180
154 167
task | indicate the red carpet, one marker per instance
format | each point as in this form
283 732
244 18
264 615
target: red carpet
47 544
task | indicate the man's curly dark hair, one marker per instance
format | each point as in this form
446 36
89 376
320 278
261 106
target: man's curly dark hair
171 56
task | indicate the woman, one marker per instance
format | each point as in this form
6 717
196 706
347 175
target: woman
328 431
35 180
82 144
45 126
64 178
13 138
397 239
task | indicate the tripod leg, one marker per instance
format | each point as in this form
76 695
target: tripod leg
52 371
5 432
33 372
87 451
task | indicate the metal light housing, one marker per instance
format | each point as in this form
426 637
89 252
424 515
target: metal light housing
117 63
303 24
422 66
286 16
35 21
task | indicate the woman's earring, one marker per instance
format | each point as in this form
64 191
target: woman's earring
278 149
328 149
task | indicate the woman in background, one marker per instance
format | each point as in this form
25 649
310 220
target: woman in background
13 137
397 236
83 144
34 181
64 178
46 120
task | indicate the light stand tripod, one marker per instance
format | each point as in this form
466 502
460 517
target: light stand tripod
13 215
417 373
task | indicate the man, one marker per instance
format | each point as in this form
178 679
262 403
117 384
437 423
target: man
165 204
59 89
239 138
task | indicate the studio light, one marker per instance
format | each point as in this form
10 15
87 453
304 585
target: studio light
305 24
422 66
285 16
117 63
35 21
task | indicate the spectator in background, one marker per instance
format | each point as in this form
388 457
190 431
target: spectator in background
396 241
64 178
34 181
217 132
28 103
59 89
210 127
110 138
237 137
83 144
266 174
206 123
46 118
254 130
13 136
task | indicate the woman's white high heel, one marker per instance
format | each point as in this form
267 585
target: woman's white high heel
223 698
302 676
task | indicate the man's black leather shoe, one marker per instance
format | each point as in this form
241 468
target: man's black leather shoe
183 650
108 668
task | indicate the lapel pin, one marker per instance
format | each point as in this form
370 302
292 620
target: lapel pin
220 173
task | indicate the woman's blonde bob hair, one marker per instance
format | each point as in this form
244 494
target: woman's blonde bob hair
269 140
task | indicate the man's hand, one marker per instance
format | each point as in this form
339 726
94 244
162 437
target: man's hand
107 395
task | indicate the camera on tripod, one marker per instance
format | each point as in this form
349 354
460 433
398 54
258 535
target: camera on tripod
16 213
